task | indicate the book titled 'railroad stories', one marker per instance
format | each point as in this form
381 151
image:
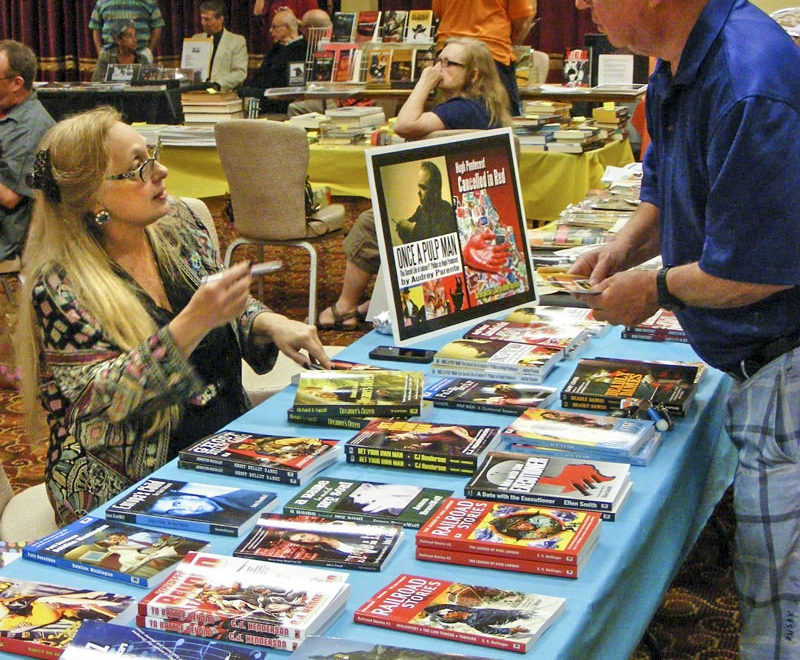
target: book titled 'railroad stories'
287 459
488 616
40 620
561 482
318 541
112 550
457 449
359 393
192 506
366 501
603 383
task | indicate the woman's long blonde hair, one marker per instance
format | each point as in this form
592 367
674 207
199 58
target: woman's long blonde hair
64 234
482 80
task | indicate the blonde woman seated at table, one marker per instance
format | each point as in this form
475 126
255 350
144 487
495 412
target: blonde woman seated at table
132 352
469 95
122 52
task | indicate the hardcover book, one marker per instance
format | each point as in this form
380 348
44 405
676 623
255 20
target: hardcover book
488 616
550 335
533 533
559 482
344 26
247 595
423 446
287 459
603 383
333 648
97 640
319 541
360 393
393 26
562 429
40 619
133 555
368 26
484 396
192 506
366 501
420 26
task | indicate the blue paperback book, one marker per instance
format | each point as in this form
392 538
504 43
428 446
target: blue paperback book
103 640
192 506
134 555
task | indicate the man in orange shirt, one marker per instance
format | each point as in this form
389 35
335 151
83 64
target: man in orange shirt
498 23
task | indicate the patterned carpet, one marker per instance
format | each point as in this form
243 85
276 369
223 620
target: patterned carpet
698 619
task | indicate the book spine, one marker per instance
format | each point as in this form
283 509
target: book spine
520 445
536 500
290 510
237 471
504 564
480 374
351 423
460 636
159 521
360 410
506 409
199 630
566 445
214 620
499 550
484 365
410 461
95 571
590 401
23 647
328 563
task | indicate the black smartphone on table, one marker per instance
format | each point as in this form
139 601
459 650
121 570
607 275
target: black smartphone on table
402 354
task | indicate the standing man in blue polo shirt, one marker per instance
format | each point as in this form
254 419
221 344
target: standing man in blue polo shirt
721 202
144 13
23 122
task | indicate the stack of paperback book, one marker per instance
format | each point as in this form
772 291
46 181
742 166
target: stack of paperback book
488 616
287 459
661 326
318 541
495 359
564 434
502 398
241 600
581 316
347 397
134 555
512 537
605 383
568 338
567 483
192 506
367 501
204 109
456 449
40 619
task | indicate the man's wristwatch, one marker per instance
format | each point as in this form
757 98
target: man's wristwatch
665 299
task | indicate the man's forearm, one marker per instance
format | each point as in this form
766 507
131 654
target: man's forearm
697 288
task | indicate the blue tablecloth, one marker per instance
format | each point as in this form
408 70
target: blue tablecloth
623 583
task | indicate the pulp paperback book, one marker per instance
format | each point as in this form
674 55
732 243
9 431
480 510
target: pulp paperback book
318 541
367 501
497 359
286 459
134 555
192 506
604 383
488 616
247 595
423 446
561 482
100 641
484 396
533 533
541 333
360 393
581 316
661 326
562 429
40 619
333 648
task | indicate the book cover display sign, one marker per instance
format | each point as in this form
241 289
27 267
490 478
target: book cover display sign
451 231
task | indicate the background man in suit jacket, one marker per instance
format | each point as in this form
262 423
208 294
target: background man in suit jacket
229 57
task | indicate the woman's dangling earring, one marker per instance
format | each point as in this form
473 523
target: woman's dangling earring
101 217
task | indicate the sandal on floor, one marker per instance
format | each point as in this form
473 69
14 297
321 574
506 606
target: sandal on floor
361 315
338 320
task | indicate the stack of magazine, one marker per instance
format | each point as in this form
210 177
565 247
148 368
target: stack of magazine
456 449
287 459
568 483
241 600
318 541
348 397
566 434
488 616
511 537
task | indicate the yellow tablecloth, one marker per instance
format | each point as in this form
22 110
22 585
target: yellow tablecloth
549 180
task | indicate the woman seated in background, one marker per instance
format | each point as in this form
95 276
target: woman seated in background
134 354
122 52
469 95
